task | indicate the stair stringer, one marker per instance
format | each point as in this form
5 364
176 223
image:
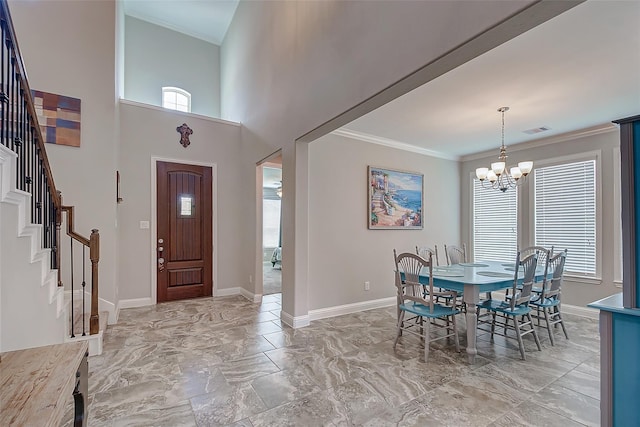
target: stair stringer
32 303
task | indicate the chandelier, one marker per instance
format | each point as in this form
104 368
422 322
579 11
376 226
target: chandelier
498 176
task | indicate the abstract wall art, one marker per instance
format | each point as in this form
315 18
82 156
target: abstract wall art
59 118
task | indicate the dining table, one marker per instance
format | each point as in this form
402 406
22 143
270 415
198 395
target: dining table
472 280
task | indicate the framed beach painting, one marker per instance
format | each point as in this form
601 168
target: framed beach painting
395 199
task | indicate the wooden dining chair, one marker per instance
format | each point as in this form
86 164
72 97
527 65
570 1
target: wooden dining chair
455 254
513 313
548 299
543 255
419 300
424 252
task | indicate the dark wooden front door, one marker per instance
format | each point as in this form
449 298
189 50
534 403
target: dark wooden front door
184 246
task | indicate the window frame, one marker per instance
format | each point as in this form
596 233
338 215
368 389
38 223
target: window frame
595 155
177 91
617 218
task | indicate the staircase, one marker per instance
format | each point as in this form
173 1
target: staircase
36 277
34 310
32 303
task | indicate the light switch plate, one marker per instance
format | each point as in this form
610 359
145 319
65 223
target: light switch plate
144 224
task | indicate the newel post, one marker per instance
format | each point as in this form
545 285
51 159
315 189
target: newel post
94 255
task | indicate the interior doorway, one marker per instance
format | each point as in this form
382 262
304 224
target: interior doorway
272 224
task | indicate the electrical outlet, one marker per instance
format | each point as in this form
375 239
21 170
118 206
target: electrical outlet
367 286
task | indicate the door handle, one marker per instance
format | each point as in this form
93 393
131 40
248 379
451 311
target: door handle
161 264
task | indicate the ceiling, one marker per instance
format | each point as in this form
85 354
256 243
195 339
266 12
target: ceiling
578 70
205 19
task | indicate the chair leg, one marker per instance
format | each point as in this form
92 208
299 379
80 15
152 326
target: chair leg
455 333
426 340
533 331
557 310
399 331
493 324
546 318
519 336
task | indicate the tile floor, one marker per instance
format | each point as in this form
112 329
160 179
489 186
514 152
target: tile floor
229 362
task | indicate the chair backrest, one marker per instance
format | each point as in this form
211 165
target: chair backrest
526 266
455 254
424 252
408 268
542 253
551 288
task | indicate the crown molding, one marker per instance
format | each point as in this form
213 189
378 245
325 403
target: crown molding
582 133
360 136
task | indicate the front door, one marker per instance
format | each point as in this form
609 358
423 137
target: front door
184 246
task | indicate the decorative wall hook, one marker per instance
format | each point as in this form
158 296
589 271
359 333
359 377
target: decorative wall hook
184 131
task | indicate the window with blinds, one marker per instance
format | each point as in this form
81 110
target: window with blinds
495 223
565 213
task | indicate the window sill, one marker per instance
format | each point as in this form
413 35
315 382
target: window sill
617 283
587 280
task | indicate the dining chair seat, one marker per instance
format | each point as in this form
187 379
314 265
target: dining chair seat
424 311
546 303
505 307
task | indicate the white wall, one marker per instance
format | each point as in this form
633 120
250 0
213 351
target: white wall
148 132
575 291
343 252
288 67
156 56
69 49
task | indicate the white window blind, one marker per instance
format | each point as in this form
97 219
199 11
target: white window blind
565 213
495 223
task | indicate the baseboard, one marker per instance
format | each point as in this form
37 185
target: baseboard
256 298
134 302
339 310
227 292
577 310
294 322
238 290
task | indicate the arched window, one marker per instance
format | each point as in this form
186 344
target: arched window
175 98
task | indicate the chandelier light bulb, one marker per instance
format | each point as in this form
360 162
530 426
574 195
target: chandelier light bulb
525 167
516 173
481 173
497 168
491 176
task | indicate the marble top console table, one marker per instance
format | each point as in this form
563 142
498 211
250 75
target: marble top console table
36 384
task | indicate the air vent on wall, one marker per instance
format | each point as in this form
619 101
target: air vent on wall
537 130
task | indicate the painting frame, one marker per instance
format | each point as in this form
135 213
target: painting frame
395 199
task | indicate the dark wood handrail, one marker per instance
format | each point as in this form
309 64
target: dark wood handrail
22 75
70 226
